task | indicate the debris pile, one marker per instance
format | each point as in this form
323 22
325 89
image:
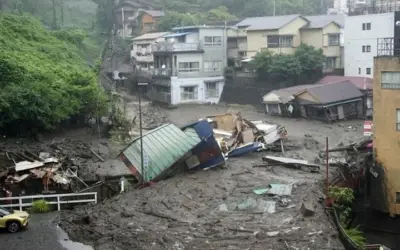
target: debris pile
152 117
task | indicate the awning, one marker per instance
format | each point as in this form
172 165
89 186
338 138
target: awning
177 34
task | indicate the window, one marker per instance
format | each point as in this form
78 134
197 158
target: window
368 71
398 119
390 80
279 41
189 67
189 93
366 26
366 48
212 41
273 41
212 66
333 39
397 197
359 71
330 63
211 89
285 41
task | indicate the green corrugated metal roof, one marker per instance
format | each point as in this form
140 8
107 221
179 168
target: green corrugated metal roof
191 132
164 146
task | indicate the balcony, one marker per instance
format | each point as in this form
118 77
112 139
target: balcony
162 72
242 46
188 73
388 46
176 47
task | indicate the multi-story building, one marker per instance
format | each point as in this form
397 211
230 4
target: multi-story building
135 17
189 65
283 34
385 185
361 34
141 51
148 20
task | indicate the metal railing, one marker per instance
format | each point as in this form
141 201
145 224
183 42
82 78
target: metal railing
53 199
175 47
162 72
388 46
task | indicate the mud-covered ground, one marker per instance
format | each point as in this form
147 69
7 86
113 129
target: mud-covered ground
217 209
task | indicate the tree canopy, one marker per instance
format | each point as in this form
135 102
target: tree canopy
44 79
174 19
305 61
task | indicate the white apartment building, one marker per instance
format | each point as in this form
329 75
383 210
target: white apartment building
141 51
189 66
361 38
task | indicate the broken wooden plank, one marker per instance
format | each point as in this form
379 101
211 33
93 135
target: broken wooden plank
97 155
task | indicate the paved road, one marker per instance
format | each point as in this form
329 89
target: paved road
42 233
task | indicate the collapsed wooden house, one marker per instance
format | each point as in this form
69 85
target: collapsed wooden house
328 102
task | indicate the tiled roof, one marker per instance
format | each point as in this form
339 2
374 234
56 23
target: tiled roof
150 36
336 92
363 83
317 22
267 22
155 13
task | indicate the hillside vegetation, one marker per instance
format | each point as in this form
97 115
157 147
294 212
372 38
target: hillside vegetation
44 79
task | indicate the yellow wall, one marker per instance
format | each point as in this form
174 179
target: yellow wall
257 40
386 138
331 50
312 37
306 96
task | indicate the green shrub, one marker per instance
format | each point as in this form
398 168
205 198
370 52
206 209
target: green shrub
40 206
356 235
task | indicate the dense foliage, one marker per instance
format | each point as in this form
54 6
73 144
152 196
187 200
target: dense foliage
44 79
175 19
246 8
305 61
68 13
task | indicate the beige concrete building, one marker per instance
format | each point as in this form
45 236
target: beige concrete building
283 34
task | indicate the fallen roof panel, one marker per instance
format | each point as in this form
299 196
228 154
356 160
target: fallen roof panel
162 147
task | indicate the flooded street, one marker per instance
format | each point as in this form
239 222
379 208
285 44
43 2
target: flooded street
42 233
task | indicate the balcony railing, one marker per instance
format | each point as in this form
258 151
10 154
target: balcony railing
162 72
186 73
242 46
389 46
176 47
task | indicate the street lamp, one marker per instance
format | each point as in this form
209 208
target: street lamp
141 132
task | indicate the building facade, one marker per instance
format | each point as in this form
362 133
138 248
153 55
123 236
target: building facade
283 34
361 34
141 52
385 187
189 66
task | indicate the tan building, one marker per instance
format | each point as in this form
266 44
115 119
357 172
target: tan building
385 184
141 50
283 34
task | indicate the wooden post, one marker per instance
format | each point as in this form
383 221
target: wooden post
58 203
327 167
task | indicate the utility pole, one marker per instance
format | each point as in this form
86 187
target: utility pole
54 15
274 10
62 13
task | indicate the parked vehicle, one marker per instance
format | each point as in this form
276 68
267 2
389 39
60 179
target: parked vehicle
12 220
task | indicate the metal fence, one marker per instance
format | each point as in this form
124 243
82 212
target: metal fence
53 199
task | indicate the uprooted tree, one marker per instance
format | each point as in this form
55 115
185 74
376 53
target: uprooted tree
44 78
